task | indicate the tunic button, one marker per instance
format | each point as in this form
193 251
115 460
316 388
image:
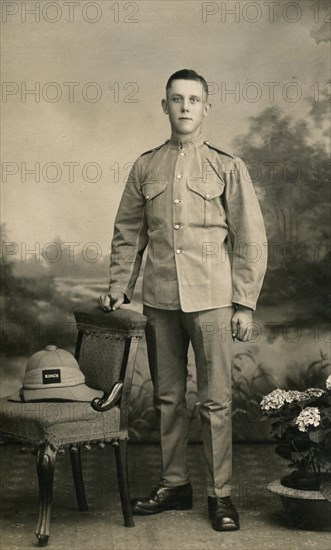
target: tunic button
179 251
179 177
147 196
207 196
177 201
182 154
177 226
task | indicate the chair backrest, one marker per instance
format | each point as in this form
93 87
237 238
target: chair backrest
103 343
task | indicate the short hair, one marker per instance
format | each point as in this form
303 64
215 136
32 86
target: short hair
187 74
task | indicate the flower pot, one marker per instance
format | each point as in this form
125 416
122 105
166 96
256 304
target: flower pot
305 509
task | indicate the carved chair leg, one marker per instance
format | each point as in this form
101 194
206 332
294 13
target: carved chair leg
120 449
45 462
76 467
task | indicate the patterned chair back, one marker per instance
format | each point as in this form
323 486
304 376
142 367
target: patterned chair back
103 344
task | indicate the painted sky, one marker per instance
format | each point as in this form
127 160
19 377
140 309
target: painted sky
99 71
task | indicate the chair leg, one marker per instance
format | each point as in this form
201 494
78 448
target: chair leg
45 463
76 467
120 449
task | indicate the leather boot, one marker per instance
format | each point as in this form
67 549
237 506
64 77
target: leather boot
222 513
163 498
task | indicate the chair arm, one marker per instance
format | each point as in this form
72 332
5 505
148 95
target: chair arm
109 400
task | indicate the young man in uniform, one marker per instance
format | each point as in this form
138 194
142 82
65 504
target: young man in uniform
195 207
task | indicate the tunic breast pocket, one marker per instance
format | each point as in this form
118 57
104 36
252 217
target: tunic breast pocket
204 205
155 195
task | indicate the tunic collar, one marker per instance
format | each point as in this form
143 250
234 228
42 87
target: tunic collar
183 144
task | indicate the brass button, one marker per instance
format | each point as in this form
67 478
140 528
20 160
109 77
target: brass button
179 251
177 226
207 195
179 177
177 201
147 196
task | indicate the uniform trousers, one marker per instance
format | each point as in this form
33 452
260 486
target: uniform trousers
168 334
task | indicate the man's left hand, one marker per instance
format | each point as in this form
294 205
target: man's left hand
241 324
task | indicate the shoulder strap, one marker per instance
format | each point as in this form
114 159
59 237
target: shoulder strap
218 150
155 149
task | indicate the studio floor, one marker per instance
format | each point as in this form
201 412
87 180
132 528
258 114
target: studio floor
263 523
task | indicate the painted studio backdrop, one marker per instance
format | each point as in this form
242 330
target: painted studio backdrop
81 92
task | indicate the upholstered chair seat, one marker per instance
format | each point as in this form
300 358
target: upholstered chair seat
106 351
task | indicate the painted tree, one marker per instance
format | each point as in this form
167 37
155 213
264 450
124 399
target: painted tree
290 173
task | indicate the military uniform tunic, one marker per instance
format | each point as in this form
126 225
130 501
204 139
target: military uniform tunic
196 209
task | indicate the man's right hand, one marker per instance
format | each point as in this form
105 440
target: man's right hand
111 302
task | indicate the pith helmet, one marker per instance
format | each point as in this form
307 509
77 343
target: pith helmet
54 373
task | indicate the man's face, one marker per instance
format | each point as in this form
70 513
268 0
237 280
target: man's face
186 105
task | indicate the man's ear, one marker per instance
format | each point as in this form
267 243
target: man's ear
207 108
164 104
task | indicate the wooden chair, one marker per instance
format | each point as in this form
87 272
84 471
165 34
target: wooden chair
106 351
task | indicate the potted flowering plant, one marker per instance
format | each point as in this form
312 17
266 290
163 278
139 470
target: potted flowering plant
301 424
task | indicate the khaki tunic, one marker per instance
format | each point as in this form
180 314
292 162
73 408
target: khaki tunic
195 208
